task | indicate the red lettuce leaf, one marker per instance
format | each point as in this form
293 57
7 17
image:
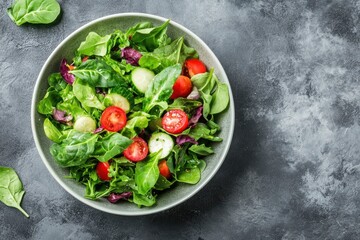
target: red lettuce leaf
131 56
64 71
114 197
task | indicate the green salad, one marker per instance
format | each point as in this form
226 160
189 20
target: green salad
133 114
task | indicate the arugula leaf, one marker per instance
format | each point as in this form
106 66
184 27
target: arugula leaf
11 189
147 173
34 11
86 94
160 89
98 74
94 44
200 130
201 150
187 105
152 37
75 149
110 146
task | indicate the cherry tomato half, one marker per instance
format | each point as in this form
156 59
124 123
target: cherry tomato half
175 121
137 151
102 170
194 66
182 87
164 169
113 119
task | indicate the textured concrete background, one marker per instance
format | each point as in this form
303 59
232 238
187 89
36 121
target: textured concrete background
293 168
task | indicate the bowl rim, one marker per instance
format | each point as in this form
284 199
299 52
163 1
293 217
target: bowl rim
144 211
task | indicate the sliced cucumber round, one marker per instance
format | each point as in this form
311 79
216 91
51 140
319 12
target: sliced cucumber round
161 141
85 124
119 97
141 78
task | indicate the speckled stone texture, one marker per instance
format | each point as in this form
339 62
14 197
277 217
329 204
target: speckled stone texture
294 166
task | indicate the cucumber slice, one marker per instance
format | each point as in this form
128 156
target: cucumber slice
119 97
161 141
85 124
141 78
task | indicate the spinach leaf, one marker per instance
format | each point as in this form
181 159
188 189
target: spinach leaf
11 189
147 173
51 131
162 183
86 94
220 99
34 11
57 82
110 146
98 74
146 200
75 149
201 150
190 176
94 44
160 89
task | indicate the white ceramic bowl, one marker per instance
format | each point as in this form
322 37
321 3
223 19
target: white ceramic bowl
66 49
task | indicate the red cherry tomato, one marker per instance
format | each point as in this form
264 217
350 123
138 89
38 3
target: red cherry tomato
164 169
113 119
102 170
175 121
137 151
182 87
194 66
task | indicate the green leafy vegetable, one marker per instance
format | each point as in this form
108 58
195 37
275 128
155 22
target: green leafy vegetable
201 150
110 146
51 131
86 94
34 11
190 176
75 149
147 173
220 99
144 199
11 189
160 89
94 44
98 74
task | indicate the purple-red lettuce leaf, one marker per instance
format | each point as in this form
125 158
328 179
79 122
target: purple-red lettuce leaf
61 116
64 71
114 197
195 118
194 94
181 139
131 56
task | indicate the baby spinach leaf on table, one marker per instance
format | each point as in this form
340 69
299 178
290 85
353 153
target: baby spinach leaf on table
190 176
147 173
110 146
11 189
94 44
75 149
34 11
51 131
97 74
201 150
220 99
86 94
160 89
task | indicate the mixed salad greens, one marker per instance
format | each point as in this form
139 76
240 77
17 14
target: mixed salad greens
133 114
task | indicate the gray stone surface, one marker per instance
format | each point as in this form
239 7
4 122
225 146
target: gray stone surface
293 169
